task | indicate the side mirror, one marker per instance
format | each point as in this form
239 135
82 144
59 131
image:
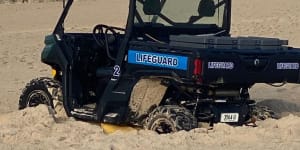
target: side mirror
207 8
152 7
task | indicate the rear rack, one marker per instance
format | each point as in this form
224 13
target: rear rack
213 42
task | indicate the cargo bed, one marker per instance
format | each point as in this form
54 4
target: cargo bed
243 60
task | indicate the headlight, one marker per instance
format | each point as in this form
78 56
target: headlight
53 72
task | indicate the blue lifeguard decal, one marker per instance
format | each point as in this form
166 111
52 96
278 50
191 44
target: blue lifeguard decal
157 60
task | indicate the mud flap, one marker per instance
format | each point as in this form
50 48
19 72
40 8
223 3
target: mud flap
146 94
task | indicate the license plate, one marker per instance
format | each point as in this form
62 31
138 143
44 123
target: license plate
229 117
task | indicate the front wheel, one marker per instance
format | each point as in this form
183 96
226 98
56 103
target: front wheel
40 91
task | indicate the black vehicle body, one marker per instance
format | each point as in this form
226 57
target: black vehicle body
204 69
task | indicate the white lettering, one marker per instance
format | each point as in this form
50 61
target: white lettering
287 66
221 65
156 59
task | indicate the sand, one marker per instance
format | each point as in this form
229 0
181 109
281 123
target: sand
22 31
28 129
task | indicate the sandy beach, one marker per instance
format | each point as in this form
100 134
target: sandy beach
22 31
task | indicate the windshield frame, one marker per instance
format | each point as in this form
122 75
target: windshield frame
131 28
200 29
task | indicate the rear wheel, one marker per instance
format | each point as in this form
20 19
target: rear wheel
264 112
169 119
40 91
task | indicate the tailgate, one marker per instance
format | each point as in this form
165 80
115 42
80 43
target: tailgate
252 67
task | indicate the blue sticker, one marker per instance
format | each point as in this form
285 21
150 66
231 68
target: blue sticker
157 60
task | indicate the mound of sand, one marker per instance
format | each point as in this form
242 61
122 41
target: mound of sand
34 128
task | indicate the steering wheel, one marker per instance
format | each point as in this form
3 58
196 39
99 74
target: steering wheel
100 33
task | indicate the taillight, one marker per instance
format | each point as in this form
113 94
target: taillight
198 70
197 67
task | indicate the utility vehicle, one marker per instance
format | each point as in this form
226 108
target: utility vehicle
173 66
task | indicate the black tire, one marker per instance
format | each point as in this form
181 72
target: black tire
264 112
39 91
170 119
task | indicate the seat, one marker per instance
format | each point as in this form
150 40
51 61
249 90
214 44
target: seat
104 72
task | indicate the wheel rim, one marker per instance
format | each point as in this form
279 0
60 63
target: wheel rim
37 97
163 126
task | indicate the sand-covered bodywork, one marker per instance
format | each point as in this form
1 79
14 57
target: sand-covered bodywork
146 93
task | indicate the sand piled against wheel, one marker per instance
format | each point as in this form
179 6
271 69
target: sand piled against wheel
35 128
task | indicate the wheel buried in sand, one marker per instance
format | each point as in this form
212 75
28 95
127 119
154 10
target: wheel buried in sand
37 97
264 112
170 119
163 125
43 91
